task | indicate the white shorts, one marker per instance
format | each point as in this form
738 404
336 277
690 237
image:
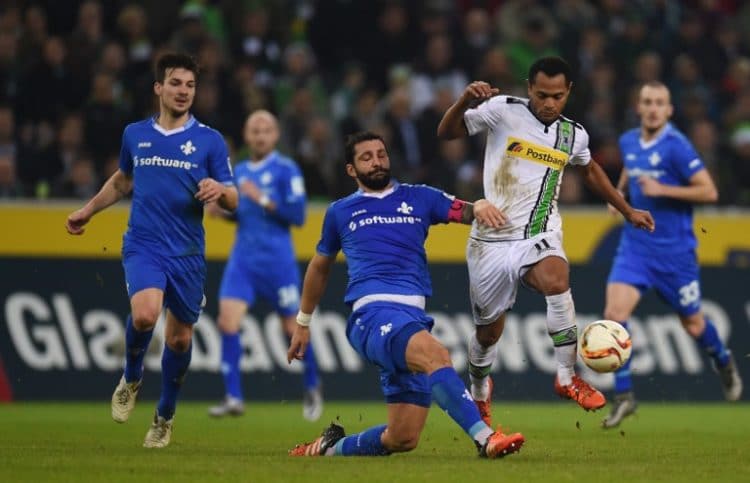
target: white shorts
497 267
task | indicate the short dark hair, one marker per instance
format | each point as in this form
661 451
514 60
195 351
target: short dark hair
174 60
551 66
358 137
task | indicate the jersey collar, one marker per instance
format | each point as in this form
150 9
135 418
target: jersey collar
649 144
256 165
381 194
168 132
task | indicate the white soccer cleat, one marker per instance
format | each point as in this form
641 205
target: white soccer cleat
159 433
312 404
731 382
123 399
230 406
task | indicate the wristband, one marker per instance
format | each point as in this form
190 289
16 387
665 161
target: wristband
264 200
303 319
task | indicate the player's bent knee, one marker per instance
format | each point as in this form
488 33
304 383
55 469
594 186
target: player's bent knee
488 335
178 342
145 319
228 325
400 443
615 313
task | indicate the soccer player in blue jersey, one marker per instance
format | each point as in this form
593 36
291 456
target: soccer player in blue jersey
262 263
173 165
381 229
663 174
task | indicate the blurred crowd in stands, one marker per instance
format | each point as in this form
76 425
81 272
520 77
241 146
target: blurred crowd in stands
74 73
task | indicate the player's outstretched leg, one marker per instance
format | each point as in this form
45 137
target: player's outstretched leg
231 351
312 400
126 392
480 364
159 433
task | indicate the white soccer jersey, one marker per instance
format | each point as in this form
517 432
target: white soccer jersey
523 165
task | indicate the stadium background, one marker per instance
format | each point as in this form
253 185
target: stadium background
73 73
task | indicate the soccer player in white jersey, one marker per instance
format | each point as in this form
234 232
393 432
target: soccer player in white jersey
664 174
381 228
529 144
173 165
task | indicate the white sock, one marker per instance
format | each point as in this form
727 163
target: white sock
480 363
561 323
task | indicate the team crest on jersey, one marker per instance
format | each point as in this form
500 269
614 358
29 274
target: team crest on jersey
654 159
188 147
405 209
536 153
266 178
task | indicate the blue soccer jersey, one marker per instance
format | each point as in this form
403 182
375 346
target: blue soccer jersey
382 236
669 159
166 167
263 237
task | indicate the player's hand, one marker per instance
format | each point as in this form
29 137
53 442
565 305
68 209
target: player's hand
209 190
297 346
650 187
488 214
641 219
76 220
251 190
478 91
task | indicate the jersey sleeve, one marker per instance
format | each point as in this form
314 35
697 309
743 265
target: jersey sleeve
219 164
581 155
330 242
292 196
126 158
685 160
439 202
485 116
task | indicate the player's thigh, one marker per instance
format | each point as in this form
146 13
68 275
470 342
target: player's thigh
493 279
177 334
145 307
425 354
621 300
237 282
544 265
231 312
677 282
279 285
146 280
405 425
186 280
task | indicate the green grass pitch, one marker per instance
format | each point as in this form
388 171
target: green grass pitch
78 442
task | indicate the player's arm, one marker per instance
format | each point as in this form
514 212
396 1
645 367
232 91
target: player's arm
597 181
313 287
210 190
622 185
292 200
116 188
700 190
452 124
482 210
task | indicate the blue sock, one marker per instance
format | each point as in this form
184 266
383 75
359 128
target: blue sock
136 344
174 365
311 368
230 364
623 378
450 393
714 347
366 443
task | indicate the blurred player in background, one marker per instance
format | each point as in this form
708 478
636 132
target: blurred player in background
529 144
381 229
663 174
174 165
262 263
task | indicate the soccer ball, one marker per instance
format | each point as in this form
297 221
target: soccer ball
604 346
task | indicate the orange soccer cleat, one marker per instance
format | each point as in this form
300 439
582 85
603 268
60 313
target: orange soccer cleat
485 407
331 435
581 392
500 444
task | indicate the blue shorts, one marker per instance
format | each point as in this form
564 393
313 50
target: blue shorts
279 284
379 332
182 279
674 277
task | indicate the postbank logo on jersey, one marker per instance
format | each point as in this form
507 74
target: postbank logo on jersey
520 148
